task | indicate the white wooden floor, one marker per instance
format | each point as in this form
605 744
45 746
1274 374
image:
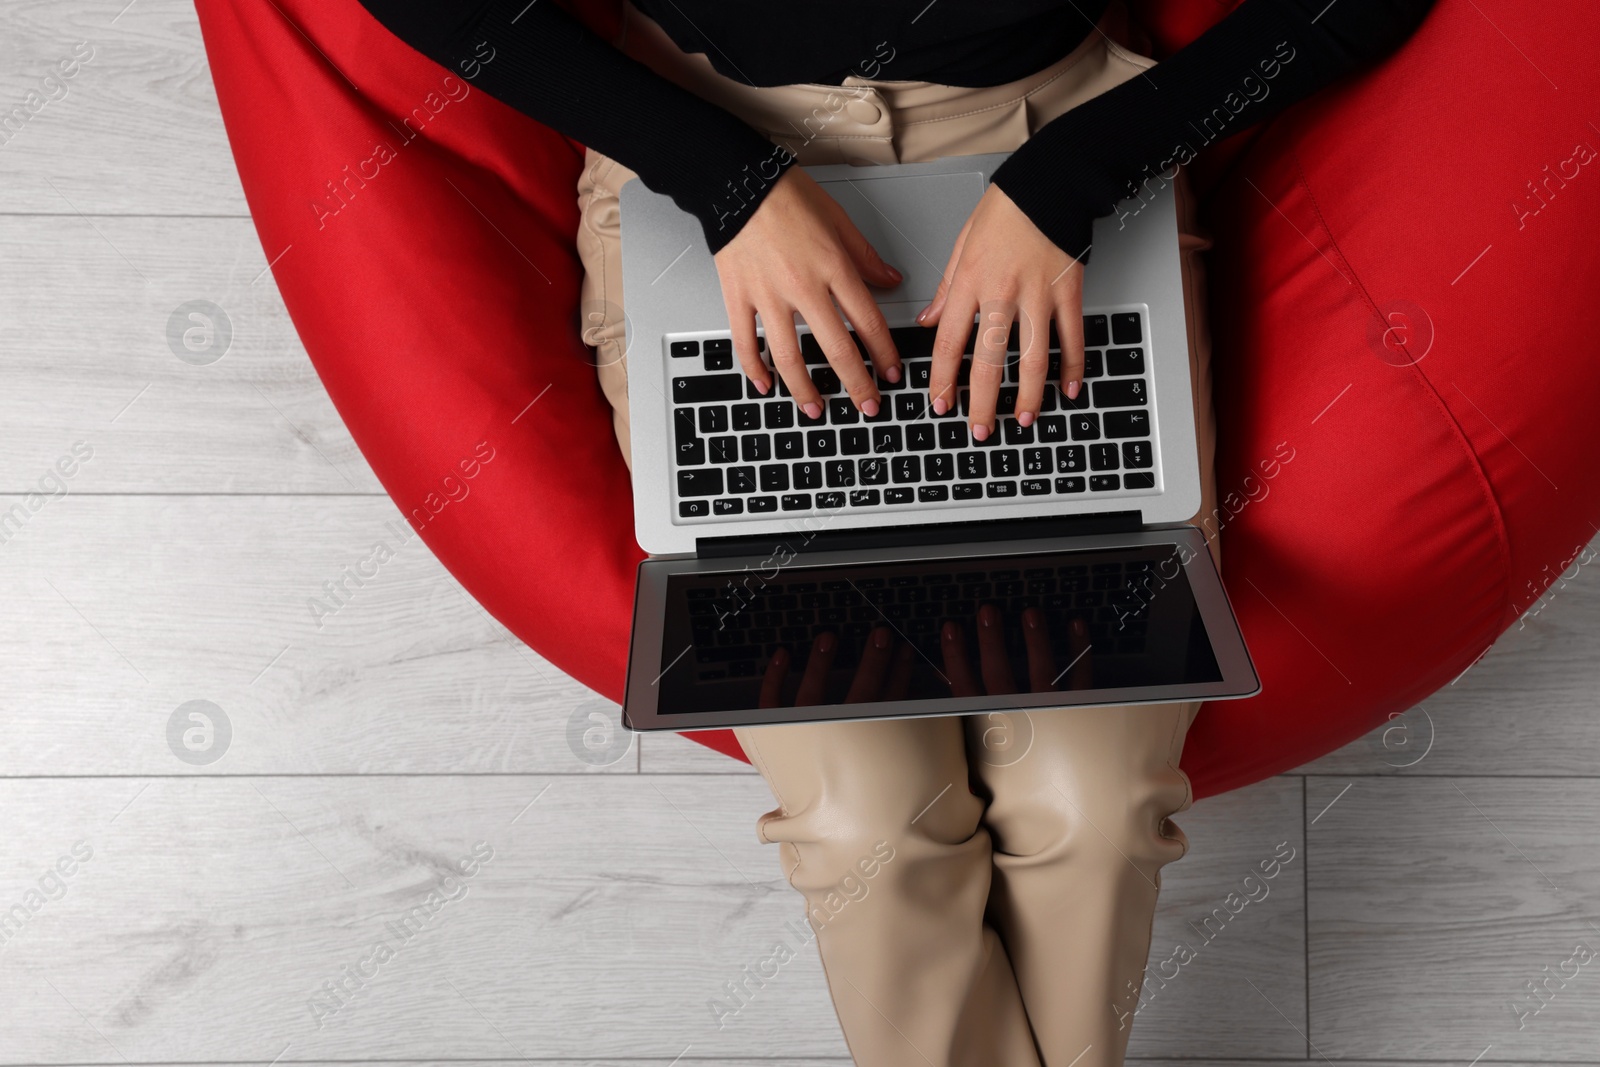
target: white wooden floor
1440 866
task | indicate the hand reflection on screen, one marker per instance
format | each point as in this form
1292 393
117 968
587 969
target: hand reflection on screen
994 675
884 672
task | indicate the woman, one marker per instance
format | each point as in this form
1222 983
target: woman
1011 900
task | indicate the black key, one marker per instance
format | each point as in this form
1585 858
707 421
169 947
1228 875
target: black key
725 449
752 393
908 407
714 419
1006 402
1047 401
826 381
1006 463
885 412
707 388
830 500
704 482
1070 485
680 349
789 446
907 468
1070 459
1124 361
823 443
1103 457
1092 367
694 509
683 426
1102 483
1136 454
886 386
1035 487
1125 328
808 475
1128 394
1001 489
919 373
887 439
774 478
953 435
718 360
1085 427
972 465
746 417
797 502
1037 461
755 448
727 506
874 471
1053 428
1139 480
811 349
966 491
1077 403
779 415
899 495
807 420
932 494
952 408
854 442
864 498
741 479
1096 332
919 438
1016 433
1127 424
692 453
841 473
763 503
718 344
841 411
938 467
913 342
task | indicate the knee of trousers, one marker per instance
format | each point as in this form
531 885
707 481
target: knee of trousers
1109 821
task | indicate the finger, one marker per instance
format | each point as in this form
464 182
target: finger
989 365
814 683
872 330
1069 328
899 686
992 658
843 355
772 680
1033 366
873 668
929 316
1082 661
1041 664
949 346
957 667
784 345
869 266
747 346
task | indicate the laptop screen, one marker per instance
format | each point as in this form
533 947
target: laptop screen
930 629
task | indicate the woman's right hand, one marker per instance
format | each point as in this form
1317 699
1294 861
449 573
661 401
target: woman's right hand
800 252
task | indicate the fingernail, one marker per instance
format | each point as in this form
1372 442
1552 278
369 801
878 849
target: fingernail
812 410
825 641
892 375
881 637
1025 419
923 313
1072 389
1078 626
940 406
869 408
763 388
980 432
896 275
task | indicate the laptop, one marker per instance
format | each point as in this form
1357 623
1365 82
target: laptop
864 568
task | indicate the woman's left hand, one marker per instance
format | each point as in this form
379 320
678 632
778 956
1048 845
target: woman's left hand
1004 267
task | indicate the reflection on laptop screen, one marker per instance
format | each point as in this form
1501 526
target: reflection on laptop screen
785 636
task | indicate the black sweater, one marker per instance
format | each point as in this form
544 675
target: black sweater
1264 56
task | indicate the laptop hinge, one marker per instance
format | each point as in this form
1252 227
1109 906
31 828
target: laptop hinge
803 540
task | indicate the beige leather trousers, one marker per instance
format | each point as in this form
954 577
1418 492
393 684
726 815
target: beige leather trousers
1011 925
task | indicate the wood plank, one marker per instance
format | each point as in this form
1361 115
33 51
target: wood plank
1526 708
135 130
1433 901
90 307
124 609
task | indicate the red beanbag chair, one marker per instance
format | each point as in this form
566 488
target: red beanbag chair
1402 296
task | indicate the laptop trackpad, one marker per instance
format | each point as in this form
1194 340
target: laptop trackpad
912 220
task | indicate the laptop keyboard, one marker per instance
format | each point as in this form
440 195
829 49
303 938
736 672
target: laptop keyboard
736 638
739 454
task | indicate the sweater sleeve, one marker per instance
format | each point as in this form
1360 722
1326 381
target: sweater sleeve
1264 56
545 63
